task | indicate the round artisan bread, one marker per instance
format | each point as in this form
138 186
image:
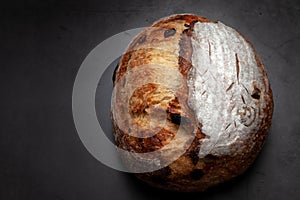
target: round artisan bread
192 104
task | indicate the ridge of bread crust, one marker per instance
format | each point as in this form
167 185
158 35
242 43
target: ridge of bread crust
167 44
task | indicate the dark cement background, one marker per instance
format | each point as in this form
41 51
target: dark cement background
42 45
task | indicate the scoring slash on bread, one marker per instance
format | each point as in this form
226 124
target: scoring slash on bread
194 90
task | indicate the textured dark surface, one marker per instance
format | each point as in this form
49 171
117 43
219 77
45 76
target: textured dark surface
42 45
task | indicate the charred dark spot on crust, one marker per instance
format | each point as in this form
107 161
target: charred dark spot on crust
169 32
255 96
142 39
185 31
175 118
178 119
256 93
237 65
196 174
114 74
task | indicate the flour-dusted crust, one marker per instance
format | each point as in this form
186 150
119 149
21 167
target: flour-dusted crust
191 77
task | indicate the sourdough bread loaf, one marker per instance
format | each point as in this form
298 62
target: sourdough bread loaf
192 103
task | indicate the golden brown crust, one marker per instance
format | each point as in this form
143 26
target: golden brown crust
157 38
167 44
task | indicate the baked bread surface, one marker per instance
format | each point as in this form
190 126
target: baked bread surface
188 82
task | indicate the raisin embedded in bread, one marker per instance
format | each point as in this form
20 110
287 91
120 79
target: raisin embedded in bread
187 83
